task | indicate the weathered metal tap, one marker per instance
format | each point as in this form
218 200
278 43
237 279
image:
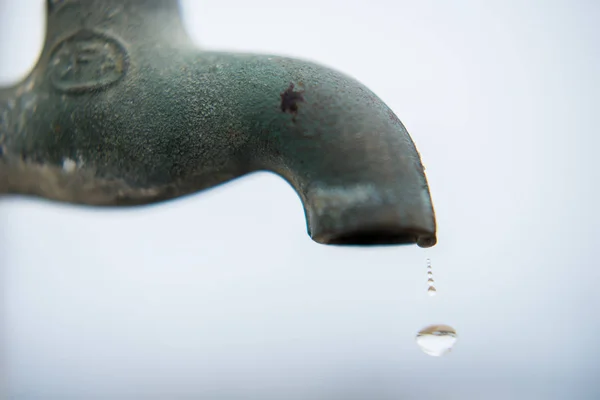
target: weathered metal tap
123 109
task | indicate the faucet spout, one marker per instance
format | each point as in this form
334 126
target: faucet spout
345 152
112 117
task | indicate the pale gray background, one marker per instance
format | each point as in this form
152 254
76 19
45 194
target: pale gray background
223 296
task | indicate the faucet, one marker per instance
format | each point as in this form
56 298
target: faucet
123 109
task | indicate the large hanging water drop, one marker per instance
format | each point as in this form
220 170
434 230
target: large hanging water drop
436 340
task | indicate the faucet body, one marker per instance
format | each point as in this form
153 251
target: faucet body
122 108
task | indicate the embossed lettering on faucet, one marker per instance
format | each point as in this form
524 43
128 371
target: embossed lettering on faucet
87 61
54 5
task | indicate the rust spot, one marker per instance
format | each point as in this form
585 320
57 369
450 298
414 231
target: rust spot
290 100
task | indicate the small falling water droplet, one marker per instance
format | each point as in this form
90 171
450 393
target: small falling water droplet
431 291
436 340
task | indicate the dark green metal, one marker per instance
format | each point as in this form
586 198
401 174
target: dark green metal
123 109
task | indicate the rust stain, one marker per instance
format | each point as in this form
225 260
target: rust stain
290 100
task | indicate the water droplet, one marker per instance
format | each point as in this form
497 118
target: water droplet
436 340
431 291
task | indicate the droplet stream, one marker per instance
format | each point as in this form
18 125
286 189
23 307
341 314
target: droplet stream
430 282
435 340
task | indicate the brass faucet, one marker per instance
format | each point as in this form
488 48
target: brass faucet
123 109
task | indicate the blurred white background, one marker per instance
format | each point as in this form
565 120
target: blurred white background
222 295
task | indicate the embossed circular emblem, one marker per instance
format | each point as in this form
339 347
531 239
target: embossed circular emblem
87 61
54 5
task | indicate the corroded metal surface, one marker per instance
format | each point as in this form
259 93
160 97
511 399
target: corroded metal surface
122 108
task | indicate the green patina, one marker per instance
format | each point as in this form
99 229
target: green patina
123 109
